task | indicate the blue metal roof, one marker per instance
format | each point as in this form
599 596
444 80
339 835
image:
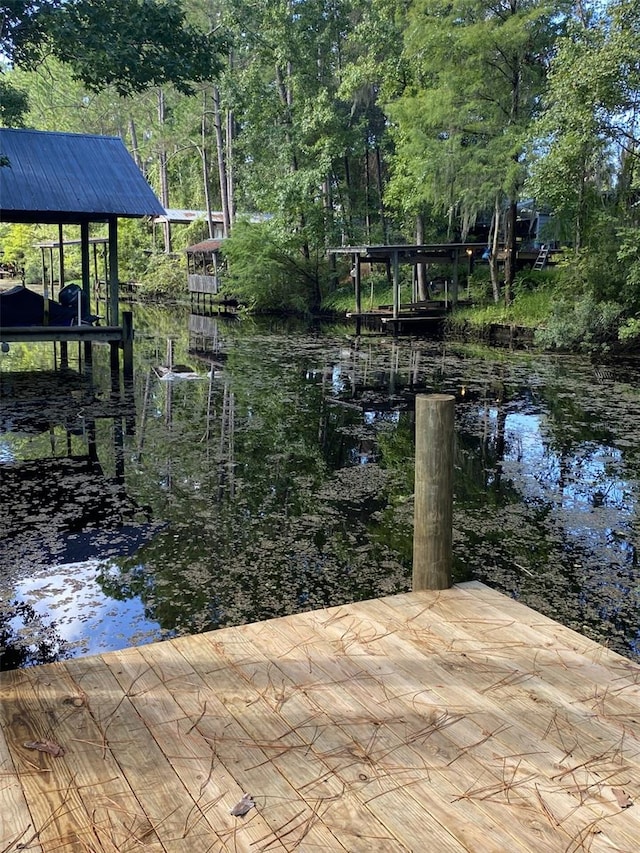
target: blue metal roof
70 177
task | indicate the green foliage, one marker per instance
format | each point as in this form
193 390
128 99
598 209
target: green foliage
267 270
556 303
23 28
534 293
586 137
327 108
542 282
164 275
376 290
629 332
582 324
14 104
18 244
596 269
59 102
134 248
629 256
461 122
128 44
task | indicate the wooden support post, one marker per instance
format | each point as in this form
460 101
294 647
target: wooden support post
127 344
45 300
114 276
60 259
433 514
85 263
357 280
114 357
455 277
396 285
107 307
96 277
88 356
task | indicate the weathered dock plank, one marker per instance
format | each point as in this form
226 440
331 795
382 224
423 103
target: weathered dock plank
457 720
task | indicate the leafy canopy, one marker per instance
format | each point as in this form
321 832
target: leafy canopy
128 44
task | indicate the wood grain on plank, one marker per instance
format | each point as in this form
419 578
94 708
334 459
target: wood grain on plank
458 718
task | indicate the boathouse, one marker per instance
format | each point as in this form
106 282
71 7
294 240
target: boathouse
203 264
64 179
413 315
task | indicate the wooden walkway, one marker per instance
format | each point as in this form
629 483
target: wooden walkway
450 721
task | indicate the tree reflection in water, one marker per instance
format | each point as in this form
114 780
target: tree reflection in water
283 476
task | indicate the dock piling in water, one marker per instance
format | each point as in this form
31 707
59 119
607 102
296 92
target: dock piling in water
433 512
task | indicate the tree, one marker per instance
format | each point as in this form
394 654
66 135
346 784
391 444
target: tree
588 144
14 104
374 74
23 28
588 136
128 44
462 121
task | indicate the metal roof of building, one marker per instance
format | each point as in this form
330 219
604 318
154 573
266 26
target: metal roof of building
70 177
180 216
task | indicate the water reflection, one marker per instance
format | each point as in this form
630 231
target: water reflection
283 475
64 513
87 620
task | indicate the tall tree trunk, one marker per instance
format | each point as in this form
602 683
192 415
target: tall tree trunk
230 125
205 167
286 97
494 233
421 269
222 170
327 204
162 167
135 151
512 239
383 223
511 250
367 196
577 236
348 209
230 136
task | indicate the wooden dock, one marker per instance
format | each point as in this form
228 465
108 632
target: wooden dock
412 318
430 721
118 338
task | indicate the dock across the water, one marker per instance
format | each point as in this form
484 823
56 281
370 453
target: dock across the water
456 720
412 318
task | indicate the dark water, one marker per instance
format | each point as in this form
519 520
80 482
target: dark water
280 478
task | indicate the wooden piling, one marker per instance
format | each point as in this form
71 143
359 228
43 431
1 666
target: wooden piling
114 358
127 344
433 513
357 279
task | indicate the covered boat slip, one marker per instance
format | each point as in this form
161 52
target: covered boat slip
412 315
457 720
68 179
